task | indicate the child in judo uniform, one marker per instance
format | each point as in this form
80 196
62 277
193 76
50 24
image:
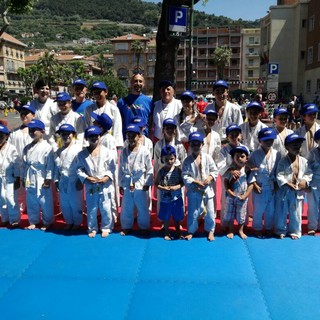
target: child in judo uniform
95 168
169 182
238 188
38 166
66 179
9 180
263 163
314 194
293 176
199 173
135 179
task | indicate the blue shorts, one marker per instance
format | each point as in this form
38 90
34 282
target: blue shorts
174 208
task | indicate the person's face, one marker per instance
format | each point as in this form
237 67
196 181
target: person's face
240 159
26 116
166 94
66 137
211 119
294 147
266 144
43 93
80 91
234 137
100 95
187 105
3 138
195 147
169 131
133 138
253 115
36 134
281 120
93 140
137 83
64 106
221 95
310 118
169 160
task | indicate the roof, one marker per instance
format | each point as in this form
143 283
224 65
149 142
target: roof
6 37
130 36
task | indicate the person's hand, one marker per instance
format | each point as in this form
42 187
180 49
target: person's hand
46 184
121 190
92 179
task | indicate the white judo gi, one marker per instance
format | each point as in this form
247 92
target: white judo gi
278 143
59 119
113 112
9 171
65 173
250 135
290 201
306 147
135 168
314 196
265 176
198 200
98 196
38 165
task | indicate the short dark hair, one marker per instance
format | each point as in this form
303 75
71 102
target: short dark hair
40 83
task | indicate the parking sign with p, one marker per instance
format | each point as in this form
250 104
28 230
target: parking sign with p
178 19
273 68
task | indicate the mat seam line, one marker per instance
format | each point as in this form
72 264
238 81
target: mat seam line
19 276
135 282
258 281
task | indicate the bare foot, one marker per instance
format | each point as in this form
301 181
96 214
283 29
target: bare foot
311 233
167 237
105 234
92 234
210 236
45 227
294 237
242 235
281 236
230 235
31 227
124 232
188 236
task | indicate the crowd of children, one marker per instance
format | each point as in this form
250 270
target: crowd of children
78 159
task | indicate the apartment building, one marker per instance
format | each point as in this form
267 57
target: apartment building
127 60
11 59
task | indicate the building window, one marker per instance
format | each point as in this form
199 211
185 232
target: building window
250 73
310 55
251 40
311 23
251 62
122 46
308 86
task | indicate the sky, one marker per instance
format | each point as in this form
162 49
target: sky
234 9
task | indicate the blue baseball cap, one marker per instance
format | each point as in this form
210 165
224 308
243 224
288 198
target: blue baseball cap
169 122
280 111
36 124
254 104
63 96
92 131
210 111
239 149
220 83
66 127
232 127
187 95
317 135
168 150
133 128
293 137
196 136
267 134
27 107
309 108
80 82
4 129
99 85
103 119
165 84
141 122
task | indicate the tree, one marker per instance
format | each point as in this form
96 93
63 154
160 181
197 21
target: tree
167 47
221 59
48 66
29 76
137 47
13 6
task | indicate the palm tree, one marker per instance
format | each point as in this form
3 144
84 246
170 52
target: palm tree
137 47
48 65
221 59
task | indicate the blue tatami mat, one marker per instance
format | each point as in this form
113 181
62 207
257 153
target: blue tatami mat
47 275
